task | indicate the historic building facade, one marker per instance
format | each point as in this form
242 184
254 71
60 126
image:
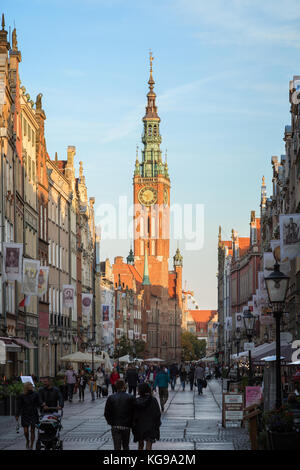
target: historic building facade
161 289
44 207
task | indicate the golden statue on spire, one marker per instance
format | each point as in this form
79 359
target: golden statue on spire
151 59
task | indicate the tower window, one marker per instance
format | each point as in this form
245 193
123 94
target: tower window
154 130
150 130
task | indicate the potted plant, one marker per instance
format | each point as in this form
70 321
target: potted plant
282 434
13 391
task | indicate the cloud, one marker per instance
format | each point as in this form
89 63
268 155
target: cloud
244 21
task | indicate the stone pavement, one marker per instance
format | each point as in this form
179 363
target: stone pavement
190 422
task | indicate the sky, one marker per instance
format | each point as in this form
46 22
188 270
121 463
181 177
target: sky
222 70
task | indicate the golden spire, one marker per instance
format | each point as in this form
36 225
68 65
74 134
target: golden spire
151 108
3 22
263 181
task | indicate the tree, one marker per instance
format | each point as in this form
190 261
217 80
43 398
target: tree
139 346
123 347
192 349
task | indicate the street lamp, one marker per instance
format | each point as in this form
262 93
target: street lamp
55 338
249 323
237 343
277 285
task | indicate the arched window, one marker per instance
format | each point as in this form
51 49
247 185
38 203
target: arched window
150 130
155 130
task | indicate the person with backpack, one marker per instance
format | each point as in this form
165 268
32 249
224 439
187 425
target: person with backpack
162 381
146 418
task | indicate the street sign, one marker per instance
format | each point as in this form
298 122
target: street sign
249 346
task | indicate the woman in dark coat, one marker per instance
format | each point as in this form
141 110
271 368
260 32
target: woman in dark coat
146 419
27 407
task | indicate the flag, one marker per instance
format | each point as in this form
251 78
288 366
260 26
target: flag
87 301
12 262
130 334
31 269
68 296
25 302
43 280
238 320
228 324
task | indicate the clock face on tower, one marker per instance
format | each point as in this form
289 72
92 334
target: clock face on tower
166 197
147 196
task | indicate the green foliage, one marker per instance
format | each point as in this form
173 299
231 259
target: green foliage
140 347
57 382
15 389
192 349
124 347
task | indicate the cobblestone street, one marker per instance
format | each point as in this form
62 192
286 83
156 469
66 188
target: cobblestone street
190 422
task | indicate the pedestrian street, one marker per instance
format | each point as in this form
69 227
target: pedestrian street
189 422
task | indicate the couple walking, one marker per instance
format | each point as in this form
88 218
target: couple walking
123 412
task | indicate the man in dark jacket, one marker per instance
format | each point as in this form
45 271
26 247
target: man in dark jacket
118 413
132 378
191 376
173 375
50 396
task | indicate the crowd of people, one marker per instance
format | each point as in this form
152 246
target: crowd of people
124 410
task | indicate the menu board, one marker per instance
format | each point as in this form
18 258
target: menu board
232 409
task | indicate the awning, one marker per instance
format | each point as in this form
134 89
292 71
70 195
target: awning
22 342
9 344
285 351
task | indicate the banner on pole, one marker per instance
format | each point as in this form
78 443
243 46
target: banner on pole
30 276
68 295
87 301
43 280
228 324
238 320
12 262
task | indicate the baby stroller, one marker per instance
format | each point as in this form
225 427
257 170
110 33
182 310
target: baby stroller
49 428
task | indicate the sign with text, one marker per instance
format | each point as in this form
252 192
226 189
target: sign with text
253 395
232 409
249 346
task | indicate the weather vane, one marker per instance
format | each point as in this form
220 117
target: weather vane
151 59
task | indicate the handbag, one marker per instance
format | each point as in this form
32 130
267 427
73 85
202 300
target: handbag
204 383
